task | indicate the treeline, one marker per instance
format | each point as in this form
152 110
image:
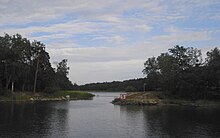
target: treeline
115 86
25 66
183 73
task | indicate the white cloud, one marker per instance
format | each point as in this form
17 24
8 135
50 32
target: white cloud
143 27
107 54
216 17
101 64
183 36
113 39
88 72
172 29
42 10
119 34
72 27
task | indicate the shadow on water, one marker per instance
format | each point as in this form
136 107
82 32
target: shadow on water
175 121
33 119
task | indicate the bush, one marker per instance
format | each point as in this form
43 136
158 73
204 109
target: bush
50 90
4 92
74 94
131 89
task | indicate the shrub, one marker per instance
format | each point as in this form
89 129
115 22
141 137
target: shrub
130 89
51 90
5 92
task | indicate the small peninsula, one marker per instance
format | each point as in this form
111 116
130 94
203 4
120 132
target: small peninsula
151 98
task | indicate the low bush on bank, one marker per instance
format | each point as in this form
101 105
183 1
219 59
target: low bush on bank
74 94
57 95
51 90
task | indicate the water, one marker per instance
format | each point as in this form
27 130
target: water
98 118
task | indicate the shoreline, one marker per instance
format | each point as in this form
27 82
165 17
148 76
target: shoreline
159 99
37 97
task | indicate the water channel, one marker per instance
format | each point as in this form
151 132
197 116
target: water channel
98 118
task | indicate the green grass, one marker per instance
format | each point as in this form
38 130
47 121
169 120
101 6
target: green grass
61 95
207 103
21 97
5 98
16 97
74 94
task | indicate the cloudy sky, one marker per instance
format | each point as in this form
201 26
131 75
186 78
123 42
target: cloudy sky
106 40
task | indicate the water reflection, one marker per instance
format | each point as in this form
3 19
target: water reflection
99 118
32 119
174 121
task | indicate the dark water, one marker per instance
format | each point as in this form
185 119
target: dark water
98 118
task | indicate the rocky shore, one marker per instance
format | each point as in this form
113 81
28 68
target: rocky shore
138 98
159 98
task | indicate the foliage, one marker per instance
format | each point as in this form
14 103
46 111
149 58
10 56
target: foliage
61 75
182 73
74 94
114 86
25 66
130 89
50 90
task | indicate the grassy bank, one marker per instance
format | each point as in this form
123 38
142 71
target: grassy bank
61 95
74 95
159 98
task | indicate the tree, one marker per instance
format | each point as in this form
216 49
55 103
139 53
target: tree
194 56
130 89
181 72
213 71
150 65
152 72
62 67
168 67
213 57
25 65
179 53
61 74
38 56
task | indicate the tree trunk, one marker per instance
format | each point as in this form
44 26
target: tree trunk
8 80
12 86
23 87
35 78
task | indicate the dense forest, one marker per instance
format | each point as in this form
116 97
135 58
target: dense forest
25 66
180 72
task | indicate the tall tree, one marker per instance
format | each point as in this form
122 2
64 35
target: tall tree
62 72
213 70
181 72
62 67
25 65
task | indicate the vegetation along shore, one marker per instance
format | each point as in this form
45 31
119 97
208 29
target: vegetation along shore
161 98
26 73
57 96
181 73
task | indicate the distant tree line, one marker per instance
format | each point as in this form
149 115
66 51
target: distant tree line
115 86
25 66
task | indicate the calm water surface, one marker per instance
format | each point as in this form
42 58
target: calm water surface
98 118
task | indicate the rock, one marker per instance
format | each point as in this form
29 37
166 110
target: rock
32 99
68 97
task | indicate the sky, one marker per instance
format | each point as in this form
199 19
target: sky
109 40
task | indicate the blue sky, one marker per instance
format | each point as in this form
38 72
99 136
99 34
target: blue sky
110 40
